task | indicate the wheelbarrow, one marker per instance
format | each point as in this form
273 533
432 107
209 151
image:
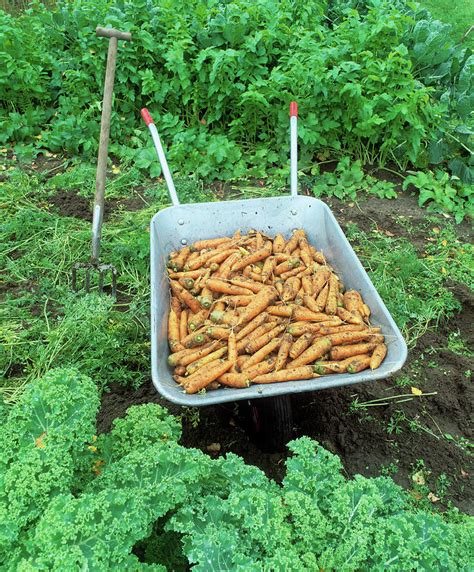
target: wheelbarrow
176 226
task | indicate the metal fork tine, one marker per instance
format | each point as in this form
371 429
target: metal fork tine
88 280
101 280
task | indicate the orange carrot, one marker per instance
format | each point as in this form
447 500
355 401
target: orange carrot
342 352
300 313
174 358
226 267
187 283
262 353
286 266
175 305
352 300
295 272
326 330
183 324
307 284
358 364
241 361
206 298
327 367
251 326
198 339
193 274
197 320
319 280
322 298
257 343
317 256
185 296
232 351
209 358
229 318
292 244
301 328
198 354
283 351
260 303
261 368
292 374
284 311
278 284
278 244
365 311
219 307
200 379
173 330
257 333
218 333
331 302
256 256
290 289
349 317
237 301
378 356
301 344
247 284
236 380
268 268
348 337
180 260
222 287
220 256
210 243
320 347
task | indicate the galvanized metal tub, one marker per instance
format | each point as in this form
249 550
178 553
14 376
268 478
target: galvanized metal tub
175 226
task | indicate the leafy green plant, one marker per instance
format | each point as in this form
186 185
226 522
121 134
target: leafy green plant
443 193
139 488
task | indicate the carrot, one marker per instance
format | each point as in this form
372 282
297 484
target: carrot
251 326
295 272
331 302
180 260
199 380
305 315
278 244
198 354
187 283
322 298
317 256
261 301
326 367
311 304
210 243
174 358
301 328
173 330
232 351
183 324
365 311
213 356
268 268
286 266
342 352
237 301
198 320
359 363
197 339
352 300
290 289
256 277
175 305
201 260
226 267
292 244
254 287
261 368
206 298
220 257
278 284
326 330
283 351
193 274
218 333
284 311
222 287
349 317
258 332
349 337
307 284
257 343
305 272
315 351
256 256
378 356
262 353
319 280
185 296
236 380
219 306
241 361
229 318
301 344
292 374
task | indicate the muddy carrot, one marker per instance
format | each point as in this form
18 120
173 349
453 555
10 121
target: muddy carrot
317 256
327 367
226 267
258 332
218 333
251 326
198 354
290 289
349 317
261 368
292 244
322 298
223 287
180 260
197 339
262 353
257 343
278 244
331 302
175 305
201 260
319 280
174 358
237 301
301 313
193 274
198 320
365 311
352 300
232 351
187 283
307 284
315 351
196 365
256 256
378 356
254 287
206 298
183 324
292 374
229 318
256 277
284 311
268 268
185 296
260 303
327 330
295 272
301 344
358 364
278 284
220 256
200 379
173 329
286 266
241 361
342 352
348 337
300 328
210 243
237 380
219 307
283 351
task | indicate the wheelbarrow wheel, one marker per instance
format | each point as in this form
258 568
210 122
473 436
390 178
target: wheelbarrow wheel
271 423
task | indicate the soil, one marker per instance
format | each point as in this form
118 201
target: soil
394 436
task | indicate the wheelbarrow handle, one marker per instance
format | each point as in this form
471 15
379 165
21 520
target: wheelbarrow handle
294 148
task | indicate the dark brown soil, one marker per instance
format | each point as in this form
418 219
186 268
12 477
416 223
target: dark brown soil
395 436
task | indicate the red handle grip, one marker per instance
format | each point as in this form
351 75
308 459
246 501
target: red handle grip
293 109
146 116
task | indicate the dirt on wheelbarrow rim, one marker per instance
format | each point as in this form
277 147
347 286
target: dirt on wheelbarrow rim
425 436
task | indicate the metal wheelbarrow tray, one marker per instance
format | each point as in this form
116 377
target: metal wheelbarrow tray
176 226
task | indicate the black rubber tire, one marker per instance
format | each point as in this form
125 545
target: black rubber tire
271 423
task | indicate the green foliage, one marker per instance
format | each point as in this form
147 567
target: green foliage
144 492
219 76
443 193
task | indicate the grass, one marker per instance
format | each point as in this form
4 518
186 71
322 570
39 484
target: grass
460 14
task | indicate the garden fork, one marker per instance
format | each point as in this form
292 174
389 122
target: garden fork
94 265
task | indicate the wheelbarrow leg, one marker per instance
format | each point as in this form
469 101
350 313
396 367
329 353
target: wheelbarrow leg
270 422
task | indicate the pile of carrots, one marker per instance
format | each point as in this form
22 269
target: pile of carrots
252 309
